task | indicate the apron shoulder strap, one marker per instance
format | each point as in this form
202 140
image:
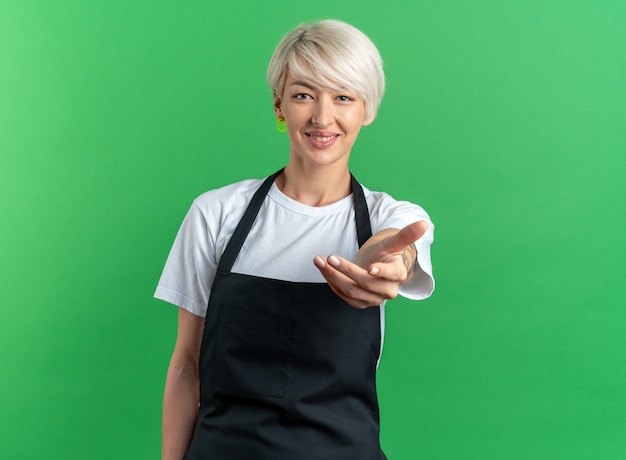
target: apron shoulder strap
245 224
361 213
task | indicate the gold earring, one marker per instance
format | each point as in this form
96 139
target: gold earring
281 126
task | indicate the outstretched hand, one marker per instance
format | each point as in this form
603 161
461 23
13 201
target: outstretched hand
382 264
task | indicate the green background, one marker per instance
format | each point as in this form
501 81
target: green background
504 119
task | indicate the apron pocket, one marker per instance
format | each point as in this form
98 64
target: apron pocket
251 353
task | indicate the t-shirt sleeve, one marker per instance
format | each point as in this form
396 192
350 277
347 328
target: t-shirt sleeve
422 284
398 214
191 265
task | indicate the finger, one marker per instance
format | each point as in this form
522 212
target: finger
355 282
406 236
349 269
346 288
361 299
392 271
340 271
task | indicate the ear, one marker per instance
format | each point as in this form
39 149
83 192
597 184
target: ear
369 121
277 107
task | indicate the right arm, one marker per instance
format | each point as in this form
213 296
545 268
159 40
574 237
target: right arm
381 265
182 388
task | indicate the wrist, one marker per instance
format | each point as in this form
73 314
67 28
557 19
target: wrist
409 258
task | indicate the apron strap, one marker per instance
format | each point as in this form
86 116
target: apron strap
361 215
245 224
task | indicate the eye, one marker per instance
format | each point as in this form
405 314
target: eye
302 96
344 98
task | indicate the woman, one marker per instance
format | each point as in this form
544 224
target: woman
283 358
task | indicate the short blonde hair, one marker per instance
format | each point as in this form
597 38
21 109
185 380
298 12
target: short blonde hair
330 54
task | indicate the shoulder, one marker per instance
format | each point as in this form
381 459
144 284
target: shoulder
226 198
215 210
384 207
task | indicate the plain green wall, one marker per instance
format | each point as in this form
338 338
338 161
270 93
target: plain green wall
504 119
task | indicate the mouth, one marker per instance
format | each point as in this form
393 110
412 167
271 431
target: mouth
322 140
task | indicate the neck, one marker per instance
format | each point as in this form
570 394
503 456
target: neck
316 187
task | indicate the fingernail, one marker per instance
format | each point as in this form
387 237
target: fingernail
319 262
375 271
333 261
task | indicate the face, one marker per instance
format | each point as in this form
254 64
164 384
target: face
322 124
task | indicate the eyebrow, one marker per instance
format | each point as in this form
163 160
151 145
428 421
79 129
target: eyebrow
302 83
313 88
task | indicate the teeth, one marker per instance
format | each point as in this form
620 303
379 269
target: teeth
323 139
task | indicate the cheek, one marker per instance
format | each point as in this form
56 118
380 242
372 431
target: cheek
292 132
354 123
296 119
353 119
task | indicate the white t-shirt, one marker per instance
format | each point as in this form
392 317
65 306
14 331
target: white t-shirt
282 243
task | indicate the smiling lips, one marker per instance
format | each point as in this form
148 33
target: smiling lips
321 140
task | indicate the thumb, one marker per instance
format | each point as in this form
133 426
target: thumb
408 235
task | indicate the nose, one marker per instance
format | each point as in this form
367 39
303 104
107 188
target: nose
323 113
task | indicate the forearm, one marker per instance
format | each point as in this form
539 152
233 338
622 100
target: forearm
180 410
